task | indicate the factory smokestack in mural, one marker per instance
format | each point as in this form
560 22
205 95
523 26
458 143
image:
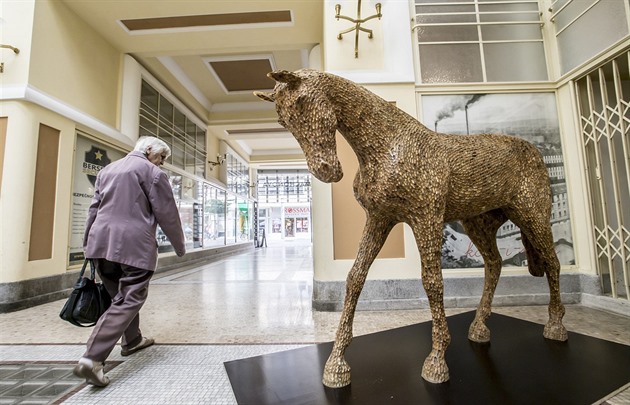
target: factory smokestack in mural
460 103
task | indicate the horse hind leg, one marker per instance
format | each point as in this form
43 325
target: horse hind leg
542 259
482 230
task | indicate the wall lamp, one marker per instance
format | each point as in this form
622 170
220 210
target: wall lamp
357 24
220 161
14 49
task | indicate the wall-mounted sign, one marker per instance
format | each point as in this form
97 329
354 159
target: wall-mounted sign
90 157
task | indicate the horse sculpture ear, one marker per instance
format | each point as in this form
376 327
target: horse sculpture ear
285 76
271 97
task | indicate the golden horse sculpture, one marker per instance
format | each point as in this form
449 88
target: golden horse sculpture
409 173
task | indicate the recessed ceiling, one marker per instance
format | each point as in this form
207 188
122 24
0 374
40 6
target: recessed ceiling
242 75
207 20
213 55
265 141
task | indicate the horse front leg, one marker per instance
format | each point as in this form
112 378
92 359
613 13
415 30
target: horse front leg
429 240
337 370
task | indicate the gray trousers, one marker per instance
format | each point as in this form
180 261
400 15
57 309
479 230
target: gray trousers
129 287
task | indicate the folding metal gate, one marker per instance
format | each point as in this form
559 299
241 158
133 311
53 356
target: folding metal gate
603 97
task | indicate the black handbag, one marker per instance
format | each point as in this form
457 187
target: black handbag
88 301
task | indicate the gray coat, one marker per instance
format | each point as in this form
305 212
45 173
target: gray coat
131 197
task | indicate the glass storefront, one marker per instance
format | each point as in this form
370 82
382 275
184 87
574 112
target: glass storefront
243 222
213 216
189 211
175 179
230 218
284 198
210 216
285 221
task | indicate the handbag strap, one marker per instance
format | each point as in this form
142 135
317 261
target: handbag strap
85 262
92 267
92 270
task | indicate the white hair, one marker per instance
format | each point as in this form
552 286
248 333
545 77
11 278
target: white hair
156 145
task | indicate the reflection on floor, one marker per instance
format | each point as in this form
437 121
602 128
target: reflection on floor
242 306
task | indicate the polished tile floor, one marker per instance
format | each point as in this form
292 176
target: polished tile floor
237 307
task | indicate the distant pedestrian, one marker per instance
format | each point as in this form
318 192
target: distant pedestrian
132 196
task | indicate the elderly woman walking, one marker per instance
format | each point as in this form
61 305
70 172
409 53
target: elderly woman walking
131 197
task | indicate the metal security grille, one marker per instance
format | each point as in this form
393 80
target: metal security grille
603 98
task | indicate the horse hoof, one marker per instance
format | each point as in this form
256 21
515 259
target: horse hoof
435 370
555 331
336 373
479 333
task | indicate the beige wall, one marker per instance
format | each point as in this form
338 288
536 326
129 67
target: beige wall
23 125
17 31
3 140
74 64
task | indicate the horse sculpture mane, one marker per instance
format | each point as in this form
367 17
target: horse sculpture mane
409 173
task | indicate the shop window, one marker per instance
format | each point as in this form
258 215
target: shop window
160 118
575 22
175 180
237 175
479 41
213 216
283 186
243 220
230 219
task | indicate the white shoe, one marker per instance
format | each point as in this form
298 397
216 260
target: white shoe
144 343
92 371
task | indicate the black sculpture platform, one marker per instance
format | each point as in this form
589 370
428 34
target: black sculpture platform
519 366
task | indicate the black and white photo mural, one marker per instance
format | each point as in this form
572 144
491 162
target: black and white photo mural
531 116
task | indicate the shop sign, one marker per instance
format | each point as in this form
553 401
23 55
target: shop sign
293 212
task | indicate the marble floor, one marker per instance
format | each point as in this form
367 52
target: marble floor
237 307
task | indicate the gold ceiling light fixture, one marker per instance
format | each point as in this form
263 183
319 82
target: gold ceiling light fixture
357 24
14 49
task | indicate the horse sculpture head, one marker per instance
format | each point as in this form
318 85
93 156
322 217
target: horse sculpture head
308 114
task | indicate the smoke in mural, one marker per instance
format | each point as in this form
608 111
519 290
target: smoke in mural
531 116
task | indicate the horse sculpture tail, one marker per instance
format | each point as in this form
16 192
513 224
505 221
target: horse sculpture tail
535 263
